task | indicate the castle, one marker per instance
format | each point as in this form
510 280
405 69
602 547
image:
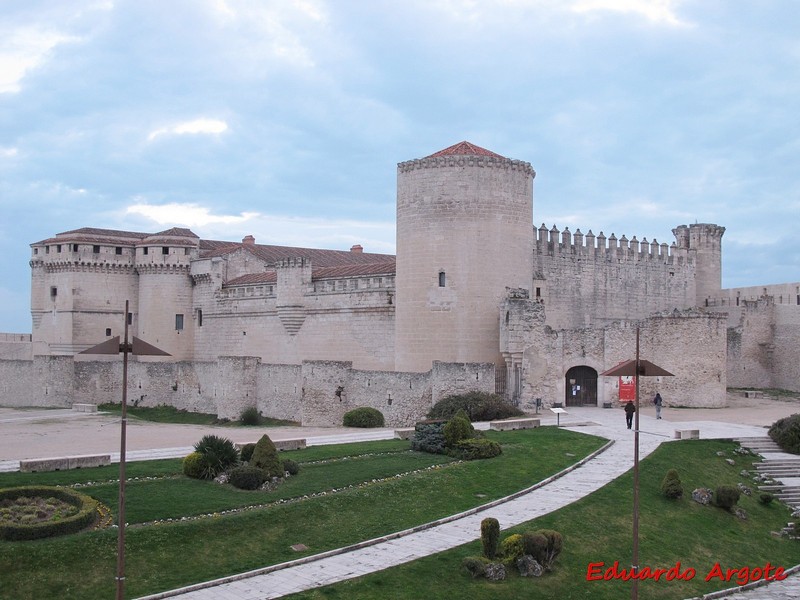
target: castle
476 298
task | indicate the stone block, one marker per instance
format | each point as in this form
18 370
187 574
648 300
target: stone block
687 434
84 407
43 464
89 460
511 424
404 433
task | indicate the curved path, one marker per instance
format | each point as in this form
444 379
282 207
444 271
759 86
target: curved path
375 555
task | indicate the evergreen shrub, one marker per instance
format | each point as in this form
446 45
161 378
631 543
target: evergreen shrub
671 485
544 545
475 449
766 498
250 416
458 428
786 433
265 457
475 565
291 467
726 496
429 437
364 416
218 453
246 452
194 466
490 537
511 548
479 406
246 477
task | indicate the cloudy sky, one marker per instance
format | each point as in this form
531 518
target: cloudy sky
286 120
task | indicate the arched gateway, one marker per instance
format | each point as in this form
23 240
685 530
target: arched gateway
581 387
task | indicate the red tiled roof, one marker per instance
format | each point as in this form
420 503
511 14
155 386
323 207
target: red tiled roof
464 149
254 279
273 254
178 232
366 270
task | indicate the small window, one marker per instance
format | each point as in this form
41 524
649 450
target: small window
35 251
538 292
108 331
442 279
165 250
178 322
96 249
186 251
199 317
58 248
118 250
130 318
47 249
74 247
145 250
53 291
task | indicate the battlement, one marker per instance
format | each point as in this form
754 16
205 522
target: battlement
437 162
565 243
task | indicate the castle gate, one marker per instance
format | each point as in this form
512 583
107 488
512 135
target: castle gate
581 387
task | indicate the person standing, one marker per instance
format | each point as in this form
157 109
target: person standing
657 401
629 410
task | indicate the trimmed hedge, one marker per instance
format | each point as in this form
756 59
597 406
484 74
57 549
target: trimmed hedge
726 496
194 465
246 477
786 433
364 416
86 517
475 449
671 485
479 406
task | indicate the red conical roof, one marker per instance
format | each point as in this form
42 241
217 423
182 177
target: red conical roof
465 149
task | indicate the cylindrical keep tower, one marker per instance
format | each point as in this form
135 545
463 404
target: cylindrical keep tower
464 235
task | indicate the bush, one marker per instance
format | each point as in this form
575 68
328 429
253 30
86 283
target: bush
544 545
786 433
250 416
363 417
766 498
479 406
512 548
475 449
458 428
290 467
194 466
85 516
429 437
475 565
246 452
490 536
726 496
265 457
671 486
246 477
218 453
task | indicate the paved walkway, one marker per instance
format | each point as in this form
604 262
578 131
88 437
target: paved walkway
339 565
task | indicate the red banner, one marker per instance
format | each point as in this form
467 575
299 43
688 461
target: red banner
627 388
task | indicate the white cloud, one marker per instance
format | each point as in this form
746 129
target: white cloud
210 126
190 215
8 152
24 49
657 11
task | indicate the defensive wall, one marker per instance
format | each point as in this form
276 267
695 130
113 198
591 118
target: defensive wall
312 393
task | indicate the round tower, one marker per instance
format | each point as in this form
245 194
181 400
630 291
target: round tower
464 235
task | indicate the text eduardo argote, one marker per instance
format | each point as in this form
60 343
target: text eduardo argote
598 571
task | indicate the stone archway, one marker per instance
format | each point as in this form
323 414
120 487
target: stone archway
581 386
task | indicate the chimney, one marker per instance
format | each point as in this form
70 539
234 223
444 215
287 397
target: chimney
249 240
358 249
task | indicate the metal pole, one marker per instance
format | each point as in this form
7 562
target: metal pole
121 515
635 565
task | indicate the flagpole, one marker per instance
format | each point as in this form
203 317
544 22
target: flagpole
635 565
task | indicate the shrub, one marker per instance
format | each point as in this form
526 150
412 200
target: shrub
265 457
365 416
85 516
475 565
480 406
218 454
726 496
544 545
246 477
490 536
475 449
290 466
766 498
250 416
511 548
246 452
671 486
456 429
786 433
194 466
429 437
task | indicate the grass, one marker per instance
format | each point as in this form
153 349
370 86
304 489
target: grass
173 554
170 414
598 529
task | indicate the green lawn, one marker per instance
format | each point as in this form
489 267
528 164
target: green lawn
170 414
598 529
381 487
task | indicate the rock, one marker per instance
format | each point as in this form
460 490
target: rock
740 513
730 461
744 489
744 473
495 572
529 566
721 453
221 478
702 495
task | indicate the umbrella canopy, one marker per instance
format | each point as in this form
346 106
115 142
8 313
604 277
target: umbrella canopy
628 368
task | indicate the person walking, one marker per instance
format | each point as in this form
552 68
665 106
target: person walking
657 401
629 410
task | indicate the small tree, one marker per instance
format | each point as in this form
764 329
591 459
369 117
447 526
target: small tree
458 428
726 496
265 457
490 537
671 485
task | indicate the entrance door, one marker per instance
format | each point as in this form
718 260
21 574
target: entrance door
581 387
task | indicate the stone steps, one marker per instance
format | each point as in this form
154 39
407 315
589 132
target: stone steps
777 467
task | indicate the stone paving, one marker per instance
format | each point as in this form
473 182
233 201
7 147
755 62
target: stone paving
376 555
